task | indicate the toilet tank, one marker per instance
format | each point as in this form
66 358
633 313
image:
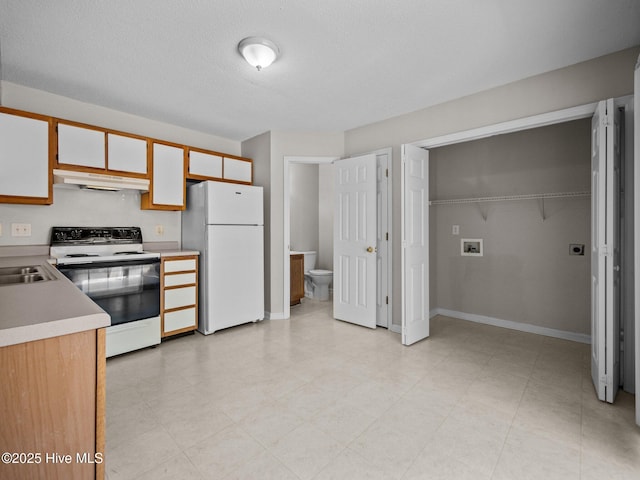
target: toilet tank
309 259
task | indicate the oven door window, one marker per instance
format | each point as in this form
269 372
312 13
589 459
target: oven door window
127 291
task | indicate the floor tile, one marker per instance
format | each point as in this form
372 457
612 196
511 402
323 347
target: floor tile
221 454
312 397
527 455
306 450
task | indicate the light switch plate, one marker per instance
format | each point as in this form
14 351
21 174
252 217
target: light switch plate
455 230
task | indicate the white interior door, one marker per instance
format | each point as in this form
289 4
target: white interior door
636 227
354 243
415 244
604 327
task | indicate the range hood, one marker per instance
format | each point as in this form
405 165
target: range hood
98 181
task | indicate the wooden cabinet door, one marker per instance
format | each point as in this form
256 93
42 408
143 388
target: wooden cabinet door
25 158
81 147
297 278
126 154
168 180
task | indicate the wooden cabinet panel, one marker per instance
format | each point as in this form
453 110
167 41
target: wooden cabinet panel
51 395
297 278
126 154
83 147
25 158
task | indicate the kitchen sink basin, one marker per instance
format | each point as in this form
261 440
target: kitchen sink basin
25 274
19 270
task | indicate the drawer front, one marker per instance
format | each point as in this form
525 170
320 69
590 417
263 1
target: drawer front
179 297
180 265
179 279
180 319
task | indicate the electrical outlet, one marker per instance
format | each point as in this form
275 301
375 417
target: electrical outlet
20 229
455 230
159 230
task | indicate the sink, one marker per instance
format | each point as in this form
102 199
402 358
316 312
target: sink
19 270
24 274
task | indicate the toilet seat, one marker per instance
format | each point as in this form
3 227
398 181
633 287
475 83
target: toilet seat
320 272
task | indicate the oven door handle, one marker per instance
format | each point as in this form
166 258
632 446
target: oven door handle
125 263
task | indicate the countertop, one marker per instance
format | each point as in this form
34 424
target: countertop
41 310
176 253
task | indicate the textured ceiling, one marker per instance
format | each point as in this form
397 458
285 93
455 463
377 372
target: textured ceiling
343 63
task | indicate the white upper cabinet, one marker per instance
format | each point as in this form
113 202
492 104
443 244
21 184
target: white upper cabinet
168 178
238 170
24 159
80 146
205 164
126 154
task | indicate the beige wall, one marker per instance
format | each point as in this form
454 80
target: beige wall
283 144
303 207
604 77
526 274
45 103
259 149
325 217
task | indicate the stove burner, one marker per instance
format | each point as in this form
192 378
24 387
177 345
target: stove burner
72 255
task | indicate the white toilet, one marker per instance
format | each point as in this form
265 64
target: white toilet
321 280
316 282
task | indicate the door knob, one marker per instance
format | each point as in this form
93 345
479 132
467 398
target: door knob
371 249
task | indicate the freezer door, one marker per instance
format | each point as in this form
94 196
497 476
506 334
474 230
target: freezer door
235 276
231 204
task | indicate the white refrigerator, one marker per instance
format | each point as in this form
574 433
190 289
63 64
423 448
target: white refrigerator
225 223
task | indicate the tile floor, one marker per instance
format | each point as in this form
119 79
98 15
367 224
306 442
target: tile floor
315 398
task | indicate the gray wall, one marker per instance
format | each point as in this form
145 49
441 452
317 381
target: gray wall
303 206
325 217
526 274
283 144
583 83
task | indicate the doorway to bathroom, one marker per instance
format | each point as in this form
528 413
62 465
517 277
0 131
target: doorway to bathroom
309 215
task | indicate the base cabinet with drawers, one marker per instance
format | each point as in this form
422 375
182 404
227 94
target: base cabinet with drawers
179 299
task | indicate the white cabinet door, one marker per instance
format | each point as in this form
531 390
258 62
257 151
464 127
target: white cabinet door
126 154
239 170
168 175
205 164
24 156
79 146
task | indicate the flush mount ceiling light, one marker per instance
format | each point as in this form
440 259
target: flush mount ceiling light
258 52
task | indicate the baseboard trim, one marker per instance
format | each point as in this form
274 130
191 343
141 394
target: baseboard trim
274 316
523 327
395 328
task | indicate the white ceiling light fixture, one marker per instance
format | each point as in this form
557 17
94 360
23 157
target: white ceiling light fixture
258 52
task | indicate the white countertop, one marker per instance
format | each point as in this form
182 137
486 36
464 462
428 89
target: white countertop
35 311
176 253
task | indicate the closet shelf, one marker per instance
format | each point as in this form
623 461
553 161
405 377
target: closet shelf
535 196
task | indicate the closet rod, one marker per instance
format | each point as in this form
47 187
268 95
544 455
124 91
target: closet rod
535 196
